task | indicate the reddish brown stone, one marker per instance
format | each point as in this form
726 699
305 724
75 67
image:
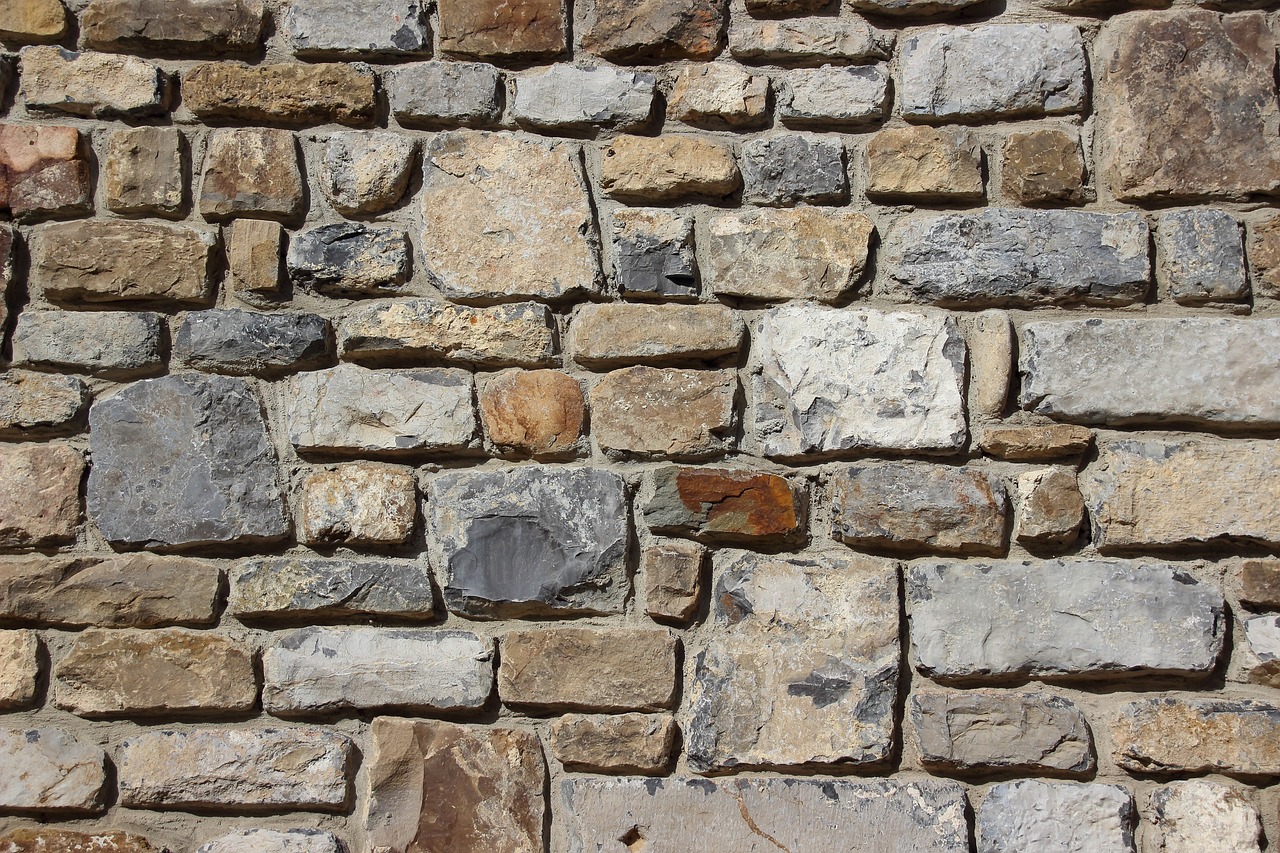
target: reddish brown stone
39 494
45 840
1043 167
43 171
1260 583
283 93
1035 443
627 30
498 28
724 503
535 411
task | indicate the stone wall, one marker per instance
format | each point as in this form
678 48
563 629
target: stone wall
648 425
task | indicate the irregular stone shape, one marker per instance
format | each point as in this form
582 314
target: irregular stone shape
183 461
39 405
994 71
1035 443
665 412
251 172
19 669
1194 815
588 669
33 20
836 379
1200 257
1166 734
1222 141
807 40
667 168
254 255
1262 641
302 588
507 217
365 172
113 345
748 814
834 96
441 786
806 253
352 410
784 170
540 412
274 841
92 85
245 769
719 93
568 96
445 93
1164 493
290 93
1061 618
802 669
924 163
45 840
1034 815
620 333
422 329
985 730
625 743
338 28
8 253
724 504
502 28
672 572
124 591
228 340
1043 167
655 30
990 340
911 8
102 261
176 27
1050 508
326 670
146 171
48 770
362 503
39 495
653 256
43 171
350 258
1260 583
530 541
1264 255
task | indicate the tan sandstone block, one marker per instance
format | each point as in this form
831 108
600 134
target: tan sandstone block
622 333
19 668
181 27
540 412
715 93
251 172
925 163
626 743
1049 508
39 494
667 168
664 412
99 85
1193 734
647 30
1043 167
672 572
282 93
33 20
34 405
364 503
1035 443
254 255
145 172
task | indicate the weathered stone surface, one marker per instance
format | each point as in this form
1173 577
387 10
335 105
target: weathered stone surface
302 588
8 256
834 96
254 253
777 8
672 571
350 258
33 20
377 28
1264 255
1060 618
784 170
534 540
990 339
282 93
667 168
362 503
39 495
540 412
103 261
146 171
620 333
251 172
181 461
1194 815
499 28
625 743
97 85
274 841
45 840
569 96
113 345
441 786
324 670
985 730
1200 257
911 8
1260 583
665 412
834 380
1050 508
422 329
807 40
38 405
729 504
48 770
1043 167
19 669
125 591
507 216
249 769
1222 140
653 255
924 163
352 410
1166 734
806 253
228 340
999 70
1035 443
456 93
1033 815
716 93
761 815
43 171
1262 649
588 669
365 172
179 27
654 30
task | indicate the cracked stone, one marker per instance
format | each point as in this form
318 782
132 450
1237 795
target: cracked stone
1030 814
623 743
301 588
787 169
49 770
725 504
1165 734
665 412
653 255
348 258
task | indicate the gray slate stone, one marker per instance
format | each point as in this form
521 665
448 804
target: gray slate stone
113 345
653 254
1200 257
244 342
349 258
49 770
566 96
445 93
184 460
1056 818
784 170
833 95
274 841
371 27
1018 258
1061 618
534 540
302 588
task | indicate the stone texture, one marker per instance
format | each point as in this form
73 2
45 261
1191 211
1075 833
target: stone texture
672 571
328 670
834 96
625 743
1262 649
113 345
92 85
725 504
654 30
1221 142
9 249
254 253
274 841
653 255
807 40
244 769
425 329
1018 258
1056 818
49 770
319 28
43 171
228 340
664 412
146 171
19 669
588 669
1050 508
300 588
1264 255
836 379
502 28
506 216
667 168
1200 257
989 730
539 412
1035 443
569 96
618 333
1260 583
364 173
348 258
1166 734
991 341
994 71
445 93
362 503
184 461
787 169
45 840
924 163
1191 815
33 20
40 495
912 8
173 27
778 8
251 172
1056 618
1043 167
441 786
39 405
291 93
719 94
355 411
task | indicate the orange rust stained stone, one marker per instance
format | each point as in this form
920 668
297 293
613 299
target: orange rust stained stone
535 411
723 503
496 28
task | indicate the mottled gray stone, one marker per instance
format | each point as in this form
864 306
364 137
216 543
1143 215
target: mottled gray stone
653 254
807 40
1061 618
445 93
349 258
364 172
48 770
1200 257
244 342
783 170
833 95
114 345
370 27
302 588
1262 649
1193 815
274 841
1056 818
567 96
184 460
535 540
39 405
520 334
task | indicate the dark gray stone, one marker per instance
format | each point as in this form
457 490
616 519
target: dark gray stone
780 171
242 342
1056 818
369 28
445 93
653 253
349 258
1200 257
302 588
113 345
184 460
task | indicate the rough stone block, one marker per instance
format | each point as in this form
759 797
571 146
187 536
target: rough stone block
1200 257
1260 583
1175 734
924 163
653 255
912 8
111 344
274 841
834 96
254 255
1264 255
146 171
1262 649
623 743
9 245
787 169
502 28
319 28
1194 815
174 27
48 770
92 85
33 20
539 412
725 504
655 30
362 503
46 840
364 173
39 495
569 96
40 405
228 340
1029 814
43 171
667 168
672 571
445 93
423 329
19 669
1035 443
719 94
349 258
290 93
251 172
302 588
1050 508
665 412
990 339
810 40
1043 167
619 333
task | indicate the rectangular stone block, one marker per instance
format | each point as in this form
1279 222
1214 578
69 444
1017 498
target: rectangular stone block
807 40
1191 815
672 571
92 85
39 495
642 169
445 93
320 28
521 334
41 405
520 29
834 96
146 171
48 770
719 94
44 172
622 743
33 20
174 27
665 412
539 413
365 173
254 255
569 96
787 169
653 254
236 342
360 503
19 669
299 588
252 173
1191 734
285 93
1200 257
1034 815
624 31
112 344
620 333
725 504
